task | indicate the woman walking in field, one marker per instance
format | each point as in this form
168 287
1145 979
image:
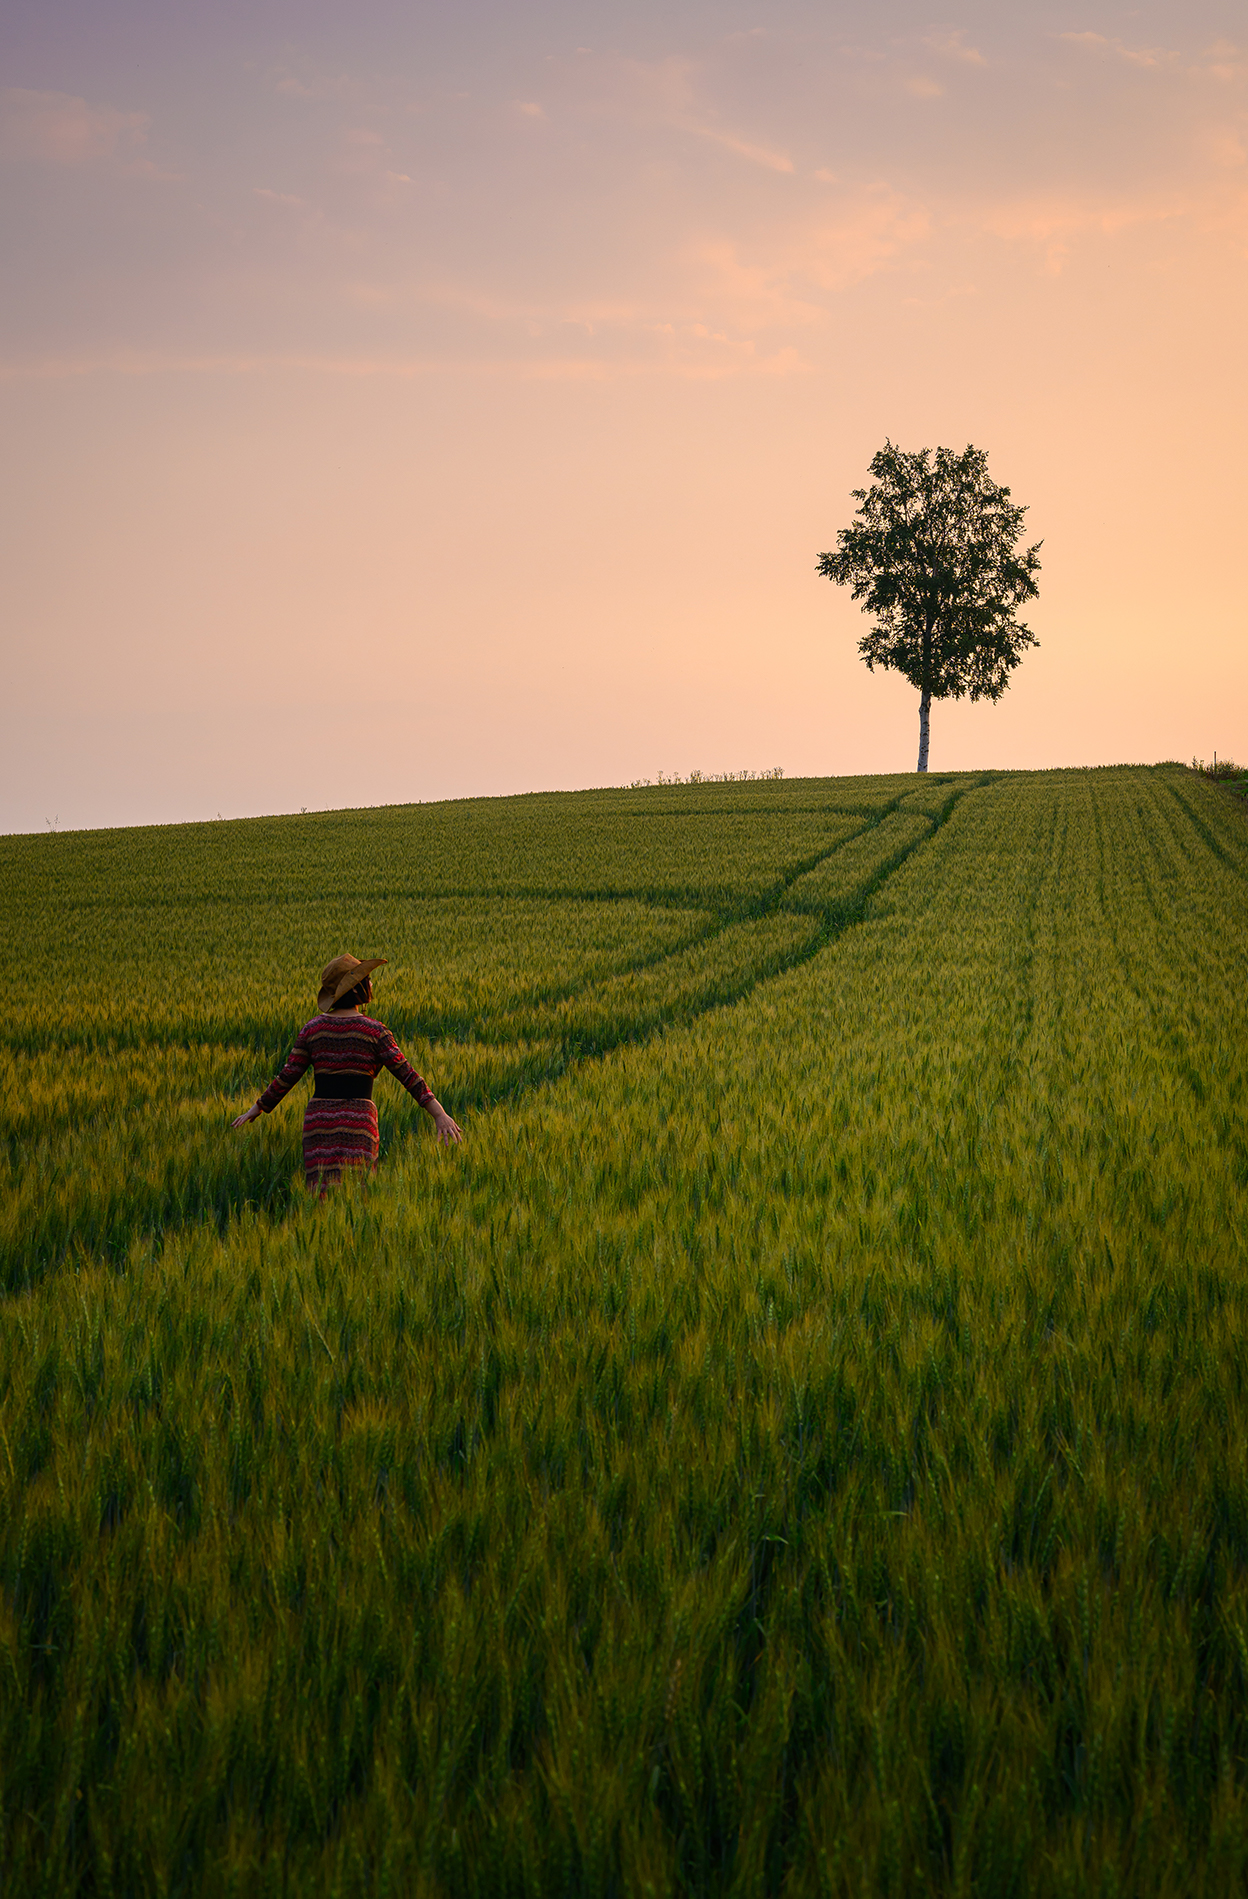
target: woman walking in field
346 1050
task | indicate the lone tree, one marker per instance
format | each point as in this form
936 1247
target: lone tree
932 557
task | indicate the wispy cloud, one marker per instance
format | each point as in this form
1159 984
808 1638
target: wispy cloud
1225 61
59 128
315 88
744 148
950 43
1153 57
1055 221
873 230
786 280
664 93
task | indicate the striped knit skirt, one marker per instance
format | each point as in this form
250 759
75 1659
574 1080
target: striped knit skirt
337 1135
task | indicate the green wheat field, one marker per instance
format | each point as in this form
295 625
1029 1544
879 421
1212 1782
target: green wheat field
798 1444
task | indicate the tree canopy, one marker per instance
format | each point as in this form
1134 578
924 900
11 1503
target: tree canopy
933 556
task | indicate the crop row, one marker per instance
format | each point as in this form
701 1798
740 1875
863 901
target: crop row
247 973
122 1072
110 1143
681 845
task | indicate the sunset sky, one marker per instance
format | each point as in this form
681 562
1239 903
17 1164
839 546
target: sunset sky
408 402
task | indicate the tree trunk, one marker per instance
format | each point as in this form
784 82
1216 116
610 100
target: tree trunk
925 707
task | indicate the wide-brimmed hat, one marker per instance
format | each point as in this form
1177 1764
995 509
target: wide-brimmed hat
342 974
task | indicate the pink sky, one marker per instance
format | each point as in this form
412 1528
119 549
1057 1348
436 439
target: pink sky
411 403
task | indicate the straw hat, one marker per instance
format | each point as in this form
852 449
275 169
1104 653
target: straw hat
342 974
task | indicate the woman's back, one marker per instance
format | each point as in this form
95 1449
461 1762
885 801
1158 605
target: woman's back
347 1043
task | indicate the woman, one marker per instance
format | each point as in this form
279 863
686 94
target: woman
346 1050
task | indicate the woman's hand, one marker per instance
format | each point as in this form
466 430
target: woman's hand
445 1130
252 1114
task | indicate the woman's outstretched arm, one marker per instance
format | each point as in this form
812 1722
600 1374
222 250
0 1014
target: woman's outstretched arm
296 1064
447 1130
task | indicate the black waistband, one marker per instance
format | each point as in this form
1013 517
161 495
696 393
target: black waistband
344 1087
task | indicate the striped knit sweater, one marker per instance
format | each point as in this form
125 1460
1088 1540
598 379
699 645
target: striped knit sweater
346 1044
